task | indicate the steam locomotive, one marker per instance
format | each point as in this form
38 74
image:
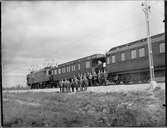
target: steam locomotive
123 64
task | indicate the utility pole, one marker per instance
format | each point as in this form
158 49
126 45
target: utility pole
146 10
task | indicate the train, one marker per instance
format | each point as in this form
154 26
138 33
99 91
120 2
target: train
125 64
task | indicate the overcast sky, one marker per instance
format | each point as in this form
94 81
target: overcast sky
35 33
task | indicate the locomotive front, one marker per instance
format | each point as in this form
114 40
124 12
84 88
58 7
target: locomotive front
40 78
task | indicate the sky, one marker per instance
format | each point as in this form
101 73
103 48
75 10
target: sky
36 33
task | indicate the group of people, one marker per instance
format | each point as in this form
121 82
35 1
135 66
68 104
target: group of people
80 82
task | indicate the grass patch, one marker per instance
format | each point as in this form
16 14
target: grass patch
85 109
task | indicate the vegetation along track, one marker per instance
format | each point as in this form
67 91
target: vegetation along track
133 108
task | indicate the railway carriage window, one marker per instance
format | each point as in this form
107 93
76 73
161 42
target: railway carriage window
88 64
63 70
113 59
67 69
59 70
79 67
141 52
123 56
74 67
52 72
47 72
162 47
55 72
133 54
108 60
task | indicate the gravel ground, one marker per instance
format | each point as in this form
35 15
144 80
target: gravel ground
110 88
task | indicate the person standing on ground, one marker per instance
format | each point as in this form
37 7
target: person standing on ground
72 84
81 83
105 78
85 81
65 85
76 83
68 86
90 79
61 85
94 79
87 76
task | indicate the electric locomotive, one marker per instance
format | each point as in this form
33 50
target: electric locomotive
40 78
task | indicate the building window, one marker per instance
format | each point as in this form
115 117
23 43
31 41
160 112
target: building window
133 54
88 64
108 60
113 59
162 48
141 52
123 56
79 66
55 72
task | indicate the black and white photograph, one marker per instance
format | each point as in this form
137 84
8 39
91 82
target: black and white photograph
83 63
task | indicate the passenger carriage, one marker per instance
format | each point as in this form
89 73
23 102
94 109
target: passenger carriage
129 63
92 63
